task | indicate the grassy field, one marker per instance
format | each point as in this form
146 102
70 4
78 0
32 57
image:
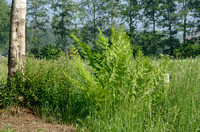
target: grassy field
180 111
110 91
60 101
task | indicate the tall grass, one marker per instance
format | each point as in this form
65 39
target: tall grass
45 89
111 91
185 95
3 68
3 78
180 111
138 98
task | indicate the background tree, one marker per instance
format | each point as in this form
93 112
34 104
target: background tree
16 55
195 10
4 26
168 22
37 24
153 25
112 12
131 16
150 13
62 21
95 11
150 19
183 14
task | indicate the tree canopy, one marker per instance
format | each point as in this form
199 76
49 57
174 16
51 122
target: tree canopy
154 26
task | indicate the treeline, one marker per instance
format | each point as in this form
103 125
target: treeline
153 25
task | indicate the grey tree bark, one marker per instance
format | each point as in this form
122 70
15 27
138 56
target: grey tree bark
16 55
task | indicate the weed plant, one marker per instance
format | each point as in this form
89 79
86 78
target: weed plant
126 93
6 129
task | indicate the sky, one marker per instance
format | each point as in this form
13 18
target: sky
9 1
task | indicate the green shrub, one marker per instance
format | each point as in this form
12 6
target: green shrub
116 80
189 49
35 52
115 74
51 52
9 93
46 88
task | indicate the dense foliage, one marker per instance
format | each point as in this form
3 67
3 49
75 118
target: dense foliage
50 51
115 87
153 26
110 90
191 48
4 26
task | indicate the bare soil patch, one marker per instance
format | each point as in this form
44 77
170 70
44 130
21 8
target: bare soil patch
22 120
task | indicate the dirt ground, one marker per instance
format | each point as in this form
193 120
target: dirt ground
22 120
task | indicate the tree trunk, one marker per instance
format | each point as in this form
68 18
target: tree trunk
154 22
16 55
171 45
185 20
94 23
0 53
184 28
153 41
35 29
130 18
63 29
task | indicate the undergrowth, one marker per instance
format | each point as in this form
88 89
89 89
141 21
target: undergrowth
120 86
45 89
111 90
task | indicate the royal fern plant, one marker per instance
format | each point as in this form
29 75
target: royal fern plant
113 75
